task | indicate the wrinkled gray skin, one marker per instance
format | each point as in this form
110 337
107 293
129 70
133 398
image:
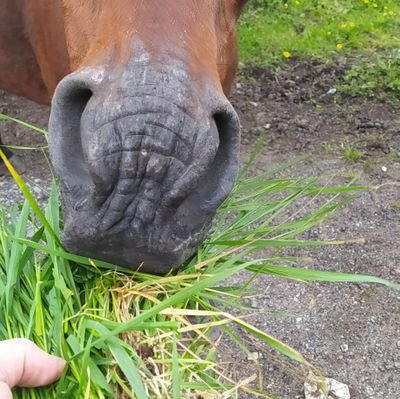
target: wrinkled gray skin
144 156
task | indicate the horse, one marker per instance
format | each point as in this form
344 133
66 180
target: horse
142 137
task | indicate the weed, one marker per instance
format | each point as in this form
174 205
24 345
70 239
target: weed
352 154
371 163
351 176
369 77
394 155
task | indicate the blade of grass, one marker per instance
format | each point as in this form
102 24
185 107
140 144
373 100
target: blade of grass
24 124
176 375
29 197
316 275
124 361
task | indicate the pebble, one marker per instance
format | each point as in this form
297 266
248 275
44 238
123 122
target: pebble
369 391
331 91
254 303
336 389
253 356
344 348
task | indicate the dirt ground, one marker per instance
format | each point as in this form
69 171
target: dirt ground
351 332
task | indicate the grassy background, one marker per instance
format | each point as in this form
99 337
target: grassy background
365 31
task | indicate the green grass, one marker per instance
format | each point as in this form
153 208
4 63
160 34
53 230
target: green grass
394 156
352 154
368 77
272 32
371 163
319 29
129 335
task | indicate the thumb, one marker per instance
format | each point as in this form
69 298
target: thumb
27 365
5 391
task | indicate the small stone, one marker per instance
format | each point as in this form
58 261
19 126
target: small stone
254 303
384 169
369 391
253 356
337 389
344 348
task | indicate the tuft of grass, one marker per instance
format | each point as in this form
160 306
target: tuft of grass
371 163
394 155
130 335
352 154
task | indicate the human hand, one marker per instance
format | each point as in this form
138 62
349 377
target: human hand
24 364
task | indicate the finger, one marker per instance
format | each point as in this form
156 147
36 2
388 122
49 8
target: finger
12 358
5 391
40 368
24 364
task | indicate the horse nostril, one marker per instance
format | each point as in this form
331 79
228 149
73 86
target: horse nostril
78 98
229 140
69 103
222 122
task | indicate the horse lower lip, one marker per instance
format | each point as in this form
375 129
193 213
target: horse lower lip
170 252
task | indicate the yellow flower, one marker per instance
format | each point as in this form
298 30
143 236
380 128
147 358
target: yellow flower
352 24
339 46
287 54
375 5
297 2
328 33
286 5
391 13
366 1
343 25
